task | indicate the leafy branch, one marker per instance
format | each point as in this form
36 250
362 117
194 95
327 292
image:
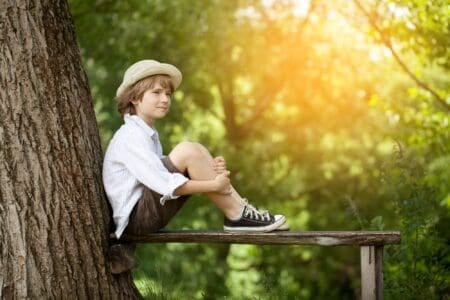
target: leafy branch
387 42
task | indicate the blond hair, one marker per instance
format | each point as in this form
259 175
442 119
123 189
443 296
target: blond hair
137 90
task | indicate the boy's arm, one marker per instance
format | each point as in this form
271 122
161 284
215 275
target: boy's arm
220 184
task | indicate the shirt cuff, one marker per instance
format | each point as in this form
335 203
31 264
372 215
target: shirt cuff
175 182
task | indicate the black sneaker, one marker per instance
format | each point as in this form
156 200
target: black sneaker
253 220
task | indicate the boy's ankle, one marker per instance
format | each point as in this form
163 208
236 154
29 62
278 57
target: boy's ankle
236 214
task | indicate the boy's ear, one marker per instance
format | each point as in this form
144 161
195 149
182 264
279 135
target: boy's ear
134 101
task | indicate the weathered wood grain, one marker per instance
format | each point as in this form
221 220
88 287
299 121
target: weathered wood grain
322 238
371 272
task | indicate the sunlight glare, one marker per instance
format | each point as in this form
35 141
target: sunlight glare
301 7
398 11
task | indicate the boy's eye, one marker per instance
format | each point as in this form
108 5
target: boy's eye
161 91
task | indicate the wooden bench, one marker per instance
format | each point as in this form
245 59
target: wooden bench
370 242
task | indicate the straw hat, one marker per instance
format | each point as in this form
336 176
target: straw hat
145 68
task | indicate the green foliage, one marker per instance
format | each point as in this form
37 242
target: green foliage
420 266
316 120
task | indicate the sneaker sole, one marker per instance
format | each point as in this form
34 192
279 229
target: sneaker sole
283 227
266 228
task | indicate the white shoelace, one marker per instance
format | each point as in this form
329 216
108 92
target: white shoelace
254 213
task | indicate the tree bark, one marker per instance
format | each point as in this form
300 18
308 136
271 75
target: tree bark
53 212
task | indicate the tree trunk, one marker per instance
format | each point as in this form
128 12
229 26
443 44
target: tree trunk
53 212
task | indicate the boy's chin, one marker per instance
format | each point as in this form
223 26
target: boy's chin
160 116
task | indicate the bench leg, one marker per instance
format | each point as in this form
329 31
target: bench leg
371 272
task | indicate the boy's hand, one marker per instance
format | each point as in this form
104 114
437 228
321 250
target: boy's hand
219 165
223 185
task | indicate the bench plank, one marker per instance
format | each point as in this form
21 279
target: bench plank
322 238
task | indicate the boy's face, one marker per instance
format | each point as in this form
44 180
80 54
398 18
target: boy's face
154 105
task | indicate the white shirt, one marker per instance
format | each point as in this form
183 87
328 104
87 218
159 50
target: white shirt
132 161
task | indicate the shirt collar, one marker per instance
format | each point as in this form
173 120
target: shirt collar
133 119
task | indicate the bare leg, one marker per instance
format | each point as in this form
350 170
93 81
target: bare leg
198 162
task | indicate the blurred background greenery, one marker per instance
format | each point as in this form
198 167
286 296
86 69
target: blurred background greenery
335 113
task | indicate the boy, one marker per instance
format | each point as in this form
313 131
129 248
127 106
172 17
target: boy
145 187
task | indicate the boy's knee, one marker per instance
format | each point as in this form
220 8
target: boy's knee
201 148
190 148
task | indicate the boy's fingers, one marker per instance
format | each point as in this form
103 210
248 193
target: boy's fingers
219 163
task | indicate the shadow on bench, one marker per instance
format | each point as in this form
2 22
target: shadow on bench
370 242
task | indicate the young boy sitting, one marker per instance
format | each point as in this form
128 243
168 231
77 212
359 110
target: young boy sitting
146 188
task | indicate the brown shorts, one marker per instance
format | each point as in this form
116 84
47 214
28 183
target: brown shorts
148 215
